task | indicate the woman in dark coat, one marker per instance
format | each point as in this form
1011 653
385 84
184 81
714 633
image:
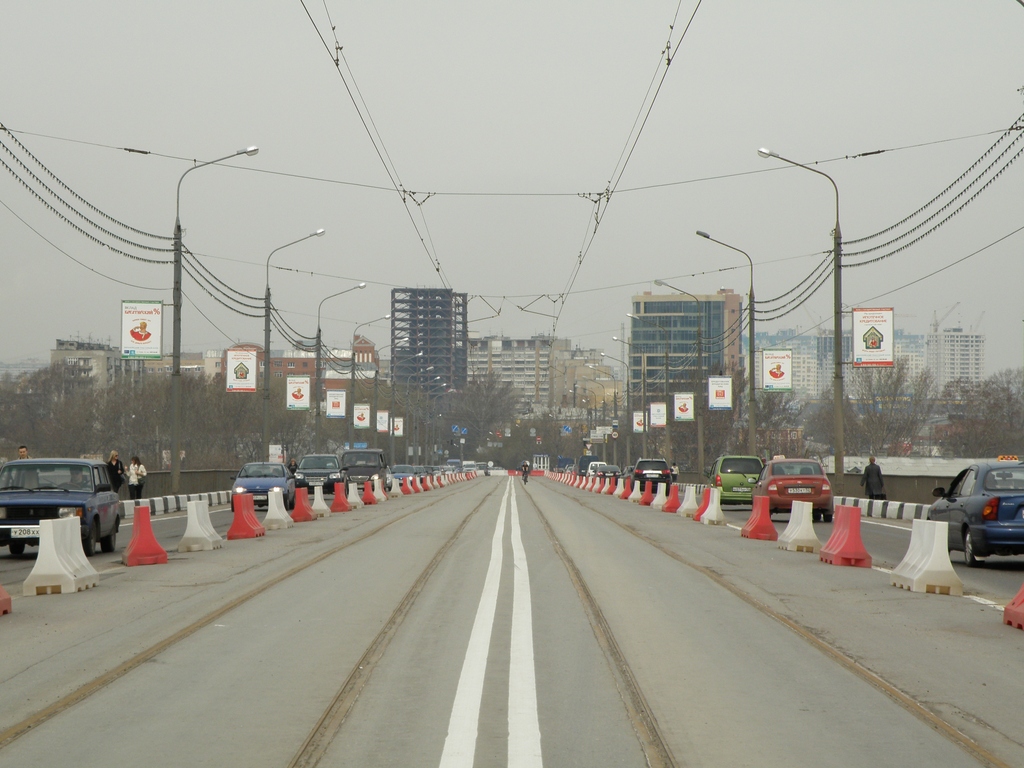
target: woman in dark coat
116 470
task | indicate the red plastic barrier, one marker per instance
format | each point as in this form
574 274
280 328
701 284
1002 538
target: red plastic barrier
759 525
6 604
627 488
368 497
143 549
672 503
612 485
302 512
340 502
844 546
1013 614
648 495
600 485
705 500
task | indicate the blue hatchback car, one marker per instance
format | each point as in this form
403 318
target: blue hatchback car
984 507
47 489
259 477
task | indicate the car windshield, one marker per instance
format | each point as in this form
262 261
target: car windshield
367 459
68 477
741 466
651 464
262 470
797 468
318 462
402 469
1005 479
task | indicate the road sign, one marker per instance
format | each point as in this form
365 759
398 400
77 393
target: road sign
465 430
615 435
455 429
566 430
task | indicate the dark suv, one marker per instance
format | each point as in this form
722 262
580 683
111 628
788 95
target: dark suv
364 464
47 489
318 469
654 471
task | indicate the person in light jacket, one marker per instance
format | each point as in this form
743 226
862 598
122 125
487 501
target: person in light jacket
872 481
136 473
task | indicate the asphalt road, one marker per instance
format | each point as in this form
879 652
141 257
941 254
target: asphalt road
497 624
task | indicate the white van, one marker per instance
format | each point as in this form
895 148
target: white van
469 466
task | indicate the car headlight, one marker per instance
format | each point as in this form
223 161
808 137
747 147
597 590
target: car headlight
335 476
299 476
239 489
69 511
375 477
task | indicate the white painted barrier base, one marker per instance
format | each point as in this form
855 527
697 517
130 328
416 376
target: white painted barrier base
714 515
354 499
378 491
799 535
690 504
320 508
661 496
199 534
926 566
61 566
636 493
277 517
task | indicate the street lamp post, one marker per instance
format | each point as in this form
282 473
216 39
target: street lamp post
176 334
837 327
752 401
266 346
629 412
352 381
643 395
319 364
668 421
699 389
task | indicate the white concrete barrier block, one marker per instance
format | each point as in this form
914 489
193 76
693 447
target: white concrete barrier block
320 508
128 507
195 538
378 490
799 535
926 566
690 504
277 517
714 515
60 568
636 493
661 496
354 499
207 526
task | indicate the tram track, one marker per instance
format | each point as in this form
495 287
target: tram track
906 701
348 692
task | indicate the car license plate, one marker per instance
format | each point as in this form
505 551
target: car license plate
741 489
316 482
25 532
801 490
259 497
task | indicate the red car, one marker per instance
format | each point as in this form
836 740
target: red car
784 481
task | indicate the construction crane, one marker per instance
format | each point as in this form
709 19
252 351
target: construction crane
936 321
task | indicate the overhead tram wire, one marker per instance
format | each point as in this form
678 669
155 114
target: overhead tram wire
378 143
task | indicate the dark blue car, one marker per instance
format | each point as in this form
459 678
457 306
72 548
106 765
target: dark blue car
260 477
47 489
984 507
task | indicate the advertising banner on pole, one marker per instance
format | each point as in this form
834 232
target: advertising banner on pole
382 422
638 421
297 393
872 337
141 329
682 406
361 415
240 370
720 393
398 426
777 370
336 404
658 415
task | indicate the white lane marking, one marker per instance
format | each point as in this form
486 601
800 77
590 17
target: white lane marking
460 744
523 721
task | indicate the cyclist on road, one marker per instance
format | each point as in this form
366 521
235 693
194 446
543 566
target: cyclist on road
526 471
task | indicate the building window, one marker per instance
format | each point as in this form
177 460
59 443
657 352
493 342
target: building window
291 365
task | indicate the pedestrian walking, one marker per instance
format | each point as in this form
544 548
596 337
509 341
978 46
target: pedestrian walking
136 474
872 481
116 469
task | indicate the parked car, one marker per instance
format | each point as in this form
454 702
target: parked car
611 471
736 476
364 464
984 507
48 489
656 471
318 469
784 481
259 477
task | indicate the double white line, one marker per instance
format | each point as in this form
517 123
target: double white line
523 724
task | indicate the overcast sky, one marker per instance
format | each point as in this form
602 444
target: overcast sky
515 117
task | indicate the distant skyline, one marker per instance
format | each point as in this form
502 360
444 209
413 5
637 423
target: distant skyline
510 132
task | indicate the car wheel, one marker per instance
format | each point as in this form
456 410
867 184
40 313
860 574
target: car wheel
826 516
109 543
815 516
89 542
970 558
17 547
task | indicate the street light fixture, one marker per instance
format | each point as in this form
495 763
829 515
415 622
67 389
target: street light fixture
837 326
176 340
668 421
319 377
352 380
699 405
752 406
266 345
